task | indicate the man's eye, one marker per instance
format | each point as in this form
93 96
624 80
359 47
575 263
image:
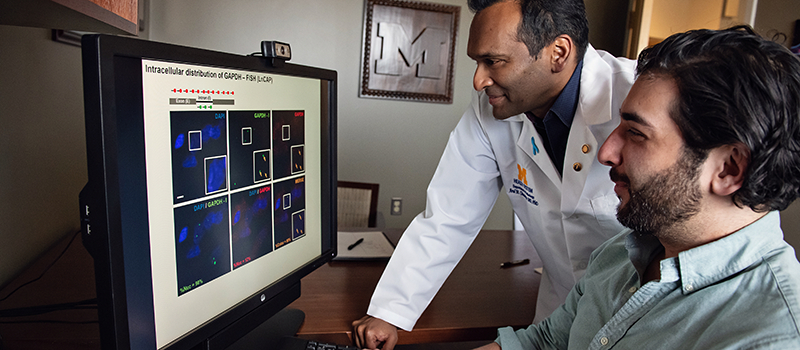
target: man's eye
635 133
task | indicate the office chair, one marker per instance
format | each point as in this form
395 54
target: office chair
357 204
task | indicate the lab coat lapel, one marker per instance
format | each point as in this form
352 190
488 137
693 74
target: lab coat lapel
530 142
583 144
577 163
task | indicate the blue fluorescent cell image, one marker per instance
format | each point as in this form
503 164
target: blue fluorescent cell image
213 218
190 162
183 234
261 204
196 137
255 216
245 232
202 243
216 174
195 140
193 252
212 132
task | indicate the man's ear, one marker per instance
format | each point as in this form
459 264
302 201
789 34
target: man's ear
562 49
731 164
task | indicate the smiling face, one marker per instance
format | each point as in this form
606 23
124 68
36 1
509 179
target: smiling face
655 176
514 81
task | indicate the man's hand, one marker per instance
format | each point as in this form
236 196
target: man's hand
370 332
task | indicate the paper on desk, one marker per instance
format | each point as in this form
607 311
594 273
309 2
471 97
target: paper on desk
374 246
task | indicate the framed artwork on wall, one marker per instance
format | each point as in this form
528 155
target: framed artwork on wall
408 50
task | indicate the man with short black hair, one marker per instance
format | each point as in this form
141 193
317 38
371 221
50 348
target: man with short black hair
706 154
544 102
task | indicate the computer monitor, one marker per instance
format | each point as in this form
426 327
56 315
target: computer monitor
211 191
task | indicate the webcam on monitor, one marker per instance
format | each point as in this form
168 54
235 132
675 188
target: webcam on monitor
277 51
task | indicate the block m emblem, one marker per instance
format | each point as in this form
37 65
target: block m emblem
398 51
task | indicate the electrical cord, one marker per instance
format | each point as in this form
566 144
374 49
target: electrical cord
45 270
42 309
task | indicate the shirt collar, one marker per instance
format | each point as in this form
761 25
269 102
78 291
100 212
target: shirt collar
712 262
709 263
567 102
642 249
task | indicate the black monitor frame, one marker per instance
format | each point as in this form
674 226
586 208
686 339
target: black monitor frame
114 201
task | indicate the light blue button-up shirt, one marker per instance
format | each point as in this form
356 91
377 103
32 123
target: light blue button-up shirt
739 292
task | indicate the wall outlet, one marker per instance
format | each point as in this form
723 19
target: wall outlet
397 206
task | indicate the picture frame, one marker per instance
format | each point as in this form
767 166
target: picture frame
408 50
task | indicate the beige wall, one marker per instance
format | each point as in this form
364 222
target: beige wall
43 157
777 16
673 16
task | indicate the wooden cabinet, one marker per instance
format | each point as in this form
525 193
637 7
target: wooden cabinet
100 16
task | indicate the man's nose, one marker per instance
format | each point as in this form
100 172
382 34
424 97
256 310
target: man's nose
481 79
609 152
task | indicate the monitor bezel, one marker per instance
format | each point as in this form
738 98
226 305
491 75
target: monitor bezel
116 231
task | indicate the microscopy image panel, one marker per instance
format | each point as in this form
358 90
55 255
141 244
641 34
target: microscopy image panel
298 165
261 166
196 140
216 174
196 136
251 131
202 244
247 136
290 199
251 222
298 224
289 130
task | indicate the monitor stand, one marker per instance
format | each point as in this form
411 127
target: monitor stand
285 323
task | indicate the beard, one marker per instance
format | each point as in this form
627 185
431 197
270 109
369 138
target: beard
663 200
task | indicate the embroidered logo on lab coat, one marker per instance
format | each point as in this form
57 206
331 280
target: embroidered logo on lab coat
522 172
520 186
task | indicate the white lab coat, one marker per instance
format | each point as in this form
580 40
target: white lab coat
565 222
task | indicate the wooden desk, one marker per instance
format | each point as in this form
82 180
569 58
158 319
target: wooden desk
476 299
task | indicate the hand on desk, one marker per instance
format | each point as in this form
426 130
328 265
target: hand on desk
370 332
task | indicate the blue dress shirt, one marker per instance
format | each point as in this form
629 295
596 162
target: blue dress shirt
739 292
554 127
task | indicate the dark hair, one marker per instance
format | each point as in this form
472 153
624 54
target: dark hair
544 20
737 87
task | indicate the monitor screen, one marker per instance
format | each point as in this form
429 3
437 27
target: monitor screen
211 191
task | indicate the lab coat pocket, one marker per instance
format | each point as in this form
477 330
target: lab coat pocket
605 211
